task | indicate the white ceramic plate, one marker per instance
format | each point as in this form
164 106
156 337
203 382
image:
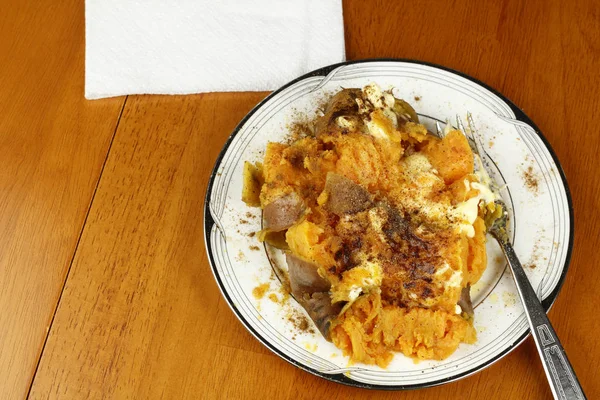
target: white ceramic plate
537 195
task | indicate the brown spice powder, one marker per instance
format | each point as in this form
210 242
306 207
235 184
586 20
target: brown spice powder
531 180
301 323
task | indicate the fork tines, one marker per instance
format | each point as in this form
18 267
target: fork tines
473 134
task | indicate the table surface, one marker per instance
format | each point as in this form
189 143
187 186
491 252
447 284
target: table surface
105 288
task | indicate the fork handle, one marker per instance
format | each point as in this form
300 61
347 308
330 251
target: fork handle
560 373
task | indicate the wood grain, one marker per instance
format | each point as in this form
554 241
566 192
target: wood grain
141 316
52 147
142 262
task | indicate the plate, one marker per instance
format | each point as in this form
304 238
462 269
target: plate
536 192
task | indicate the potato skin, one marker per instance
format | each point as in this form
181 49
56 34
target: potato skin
342 103
304 276
283 212
312 292
344 196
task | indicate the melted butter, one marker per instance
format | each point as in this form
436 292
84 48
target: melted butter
467 211
485 193
376 129
346 123
455 279
418 170
417 163
467 185
355 291
362 107
382 101
377 97
424 181
360 279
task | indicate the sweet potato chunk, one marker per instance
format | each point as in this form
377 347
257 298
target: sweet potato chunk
477 260
369 330
451 156
253 181
302 239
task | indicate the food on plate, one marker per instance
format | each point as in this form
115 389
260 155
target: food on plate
253 180
383 225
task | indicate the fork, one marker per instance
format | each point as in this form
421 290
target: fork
561 376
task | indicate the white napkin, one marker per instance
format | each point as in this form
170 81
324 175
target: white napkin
190 46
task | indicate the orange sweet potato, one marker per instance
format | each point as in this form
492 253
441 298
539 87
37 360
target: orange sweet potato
451 156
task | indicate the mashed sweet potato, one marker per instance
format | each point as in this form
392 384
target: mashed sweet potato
384 227
369 331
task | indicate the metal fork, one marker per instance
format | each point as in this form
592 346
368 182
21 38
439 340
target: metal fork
560 373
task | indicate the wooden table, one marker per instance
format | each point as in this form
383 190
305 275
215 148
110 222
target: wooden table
105 288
